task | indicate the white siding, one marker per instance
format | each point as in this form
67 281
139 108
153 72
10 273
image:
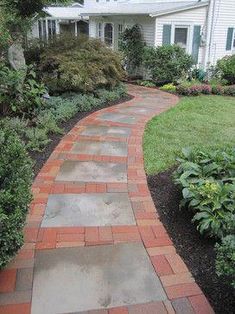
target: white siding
187 18
147 24
224 17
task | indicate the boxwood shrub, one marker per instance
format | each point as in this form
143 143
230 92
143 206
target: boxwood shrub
15 195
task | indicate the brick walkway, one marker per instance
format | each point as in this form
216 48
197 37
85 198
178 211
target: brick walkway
93 228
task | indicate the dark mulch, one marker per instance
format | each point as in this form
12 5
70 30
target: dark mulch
41 157
197 252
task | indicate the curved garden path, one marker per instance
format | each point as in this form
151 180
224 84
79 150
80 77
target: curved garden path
93 241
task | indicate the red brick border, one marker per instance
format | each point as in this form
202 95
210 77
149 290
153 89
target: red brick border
180 287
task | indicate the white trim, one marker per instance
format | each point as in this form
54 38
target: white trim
189 27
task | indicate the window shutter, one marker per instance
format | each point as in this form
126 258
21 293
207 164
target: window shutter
166 36
229 38
196 42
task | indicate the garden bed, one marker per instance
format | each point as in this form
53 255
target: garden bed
40 158
197 252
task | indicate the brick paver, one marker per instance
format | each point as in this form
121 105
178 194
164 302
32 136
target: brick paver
123 123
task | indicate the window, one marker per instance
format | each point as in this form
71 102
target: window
181 37
100 30
51 28
108 34
46 29
42 29
120 29
234 39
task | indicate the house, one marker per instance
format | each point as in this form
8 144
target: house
204 28
60 20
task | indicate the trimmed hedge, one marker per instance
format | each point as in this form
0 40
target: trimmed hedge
15 195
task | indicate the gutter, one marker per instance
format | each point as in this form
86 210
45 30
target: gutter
210 22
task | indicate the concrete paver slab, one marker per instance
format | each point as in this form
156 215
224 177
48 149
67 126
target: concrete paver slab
80 279
91 171
99 130
99 209
118 117
100 148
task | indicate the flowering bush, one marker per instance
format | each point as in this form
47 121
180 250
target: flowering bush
168 88
194 90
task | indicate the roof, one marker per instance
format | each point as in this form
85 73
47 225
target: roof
152 9
66 12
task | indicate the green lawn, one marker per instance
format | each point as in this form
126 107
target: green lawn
200 122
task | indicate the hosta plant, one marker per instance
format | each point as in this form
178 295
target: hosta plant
207 182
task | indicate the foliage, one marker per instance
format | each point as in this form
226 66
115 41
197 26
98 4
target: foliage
227 68
132 45
19 95
167 63
207 182
79 64
193 90
225 258
15 196
35 133
146 83
170 88
198 74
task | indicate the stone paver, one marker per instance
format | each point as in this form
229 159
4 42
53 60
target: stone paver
94 243
88 210
93 278
100 148
118 117
94 130
90 171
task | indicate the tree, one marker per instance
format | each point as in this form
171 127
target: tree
16 19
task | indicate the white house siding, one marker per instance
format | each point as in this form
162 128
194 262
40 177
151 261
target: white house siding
190 17
147 24
224 17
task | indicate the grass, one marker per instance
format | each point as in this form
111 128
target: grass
202 122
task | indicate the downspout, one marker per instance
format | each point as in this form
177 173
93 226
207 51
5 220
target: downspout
210 25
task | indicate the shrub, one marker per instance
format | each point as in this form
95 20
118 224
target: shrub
146 83
167 63
207 182
225 258
79 65
171 88
15 196
217 90
20 94
227 68
132 45
193 90
229 90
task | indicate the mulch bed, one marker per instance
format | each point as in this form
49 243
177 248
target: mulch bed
197 252
40 158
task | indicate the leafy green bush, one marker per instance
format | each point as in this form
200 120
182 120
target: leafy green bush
132 45
229 90
146 83
225 258
226 66
171 88
207 182
79 65
167 63
15 196
20 94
